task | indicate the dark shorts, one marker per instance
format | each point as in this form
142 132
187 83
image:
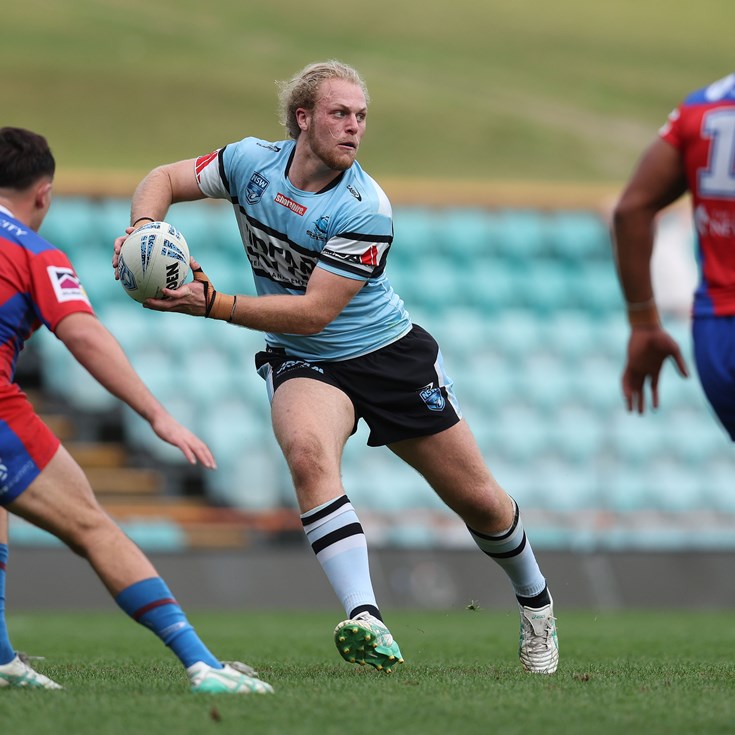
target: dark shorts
401 390
26 444
714 353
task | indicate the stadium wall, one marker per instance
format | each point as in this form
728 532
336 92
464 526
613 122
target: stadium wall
290 578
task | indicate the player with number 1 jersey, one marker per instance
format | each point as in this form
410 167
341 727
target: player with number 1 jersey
702 129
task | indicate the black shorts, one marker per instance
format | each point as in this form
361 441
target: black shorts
401 390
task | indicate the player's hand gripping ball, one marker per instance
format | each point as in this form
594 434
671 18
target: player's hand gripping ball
152 258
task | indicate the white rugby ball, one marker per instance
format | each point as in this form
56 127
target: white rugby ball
152 258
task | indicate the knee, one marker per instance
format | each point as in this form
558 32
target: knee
308 462
88 531
489 512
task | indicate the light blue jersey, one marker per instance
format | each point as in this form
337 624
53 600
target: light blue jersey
347 229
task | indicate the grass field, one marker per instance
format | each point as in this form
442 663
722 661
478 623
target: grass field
629 672
568 91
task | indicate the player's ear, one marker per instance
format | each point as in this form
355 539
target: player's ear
42 194
302 118
41 201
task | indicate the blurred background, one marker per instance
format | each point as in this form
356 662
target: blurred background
502 134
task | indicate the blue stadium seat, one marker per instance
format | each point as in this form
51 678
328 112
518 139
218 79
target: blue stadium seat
578 236
73 224
414 234
564 487
467 236
431 283
515 332
114 217
547 285
460 332
578 434
673 486
625 488
207 226
522 235
545 380
597 289
492 285
522 435
67 379
256 479
571 333
635 438
719 489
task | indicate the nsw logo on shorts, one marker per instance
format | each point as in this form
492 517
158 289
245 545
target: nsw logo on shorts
432 397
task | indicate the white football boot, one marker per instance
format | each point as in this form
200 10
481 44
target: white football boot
538 647
227 680
18 673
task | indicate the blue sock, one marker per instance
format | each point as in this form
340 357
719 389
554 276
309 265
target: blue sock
150 603
337 539
7 653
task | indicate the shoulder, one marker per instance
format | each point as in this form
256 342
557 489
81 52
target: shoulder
723 90
366 193
16 232
257 149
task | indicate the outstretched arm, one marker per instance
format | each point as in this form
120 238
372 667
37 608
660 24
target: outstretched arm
658 181
99 352
162 187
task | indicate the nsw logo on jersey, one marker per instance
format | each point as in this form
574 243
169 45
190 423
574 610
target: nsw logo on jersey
255 188
66 284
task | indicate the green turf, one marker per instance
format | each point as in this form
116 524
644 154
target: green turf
565 91
628 672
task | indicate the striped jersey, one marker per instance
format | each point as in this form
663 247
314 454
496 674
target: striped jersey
702 129
347 229
38 286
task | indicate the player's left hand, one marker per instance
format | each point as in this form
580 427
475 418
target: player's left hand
193 448
189 298
648 348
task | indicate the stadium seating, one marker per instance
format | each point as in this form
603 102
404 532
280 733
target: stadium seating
527 310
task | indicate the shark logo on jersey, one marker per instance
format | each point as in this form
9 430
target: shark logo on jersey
432 397
255 188
320 228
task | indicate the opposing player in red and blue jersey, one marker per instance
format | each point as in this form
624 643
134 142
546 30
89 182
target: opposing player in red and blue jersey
694 152
39 480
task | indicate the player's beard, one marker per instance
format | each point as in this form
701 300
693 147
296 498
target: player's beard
336 159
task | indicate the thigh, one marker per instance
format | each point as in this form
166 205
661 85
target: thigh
60 500
714 352
312 420
26 444
453 465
